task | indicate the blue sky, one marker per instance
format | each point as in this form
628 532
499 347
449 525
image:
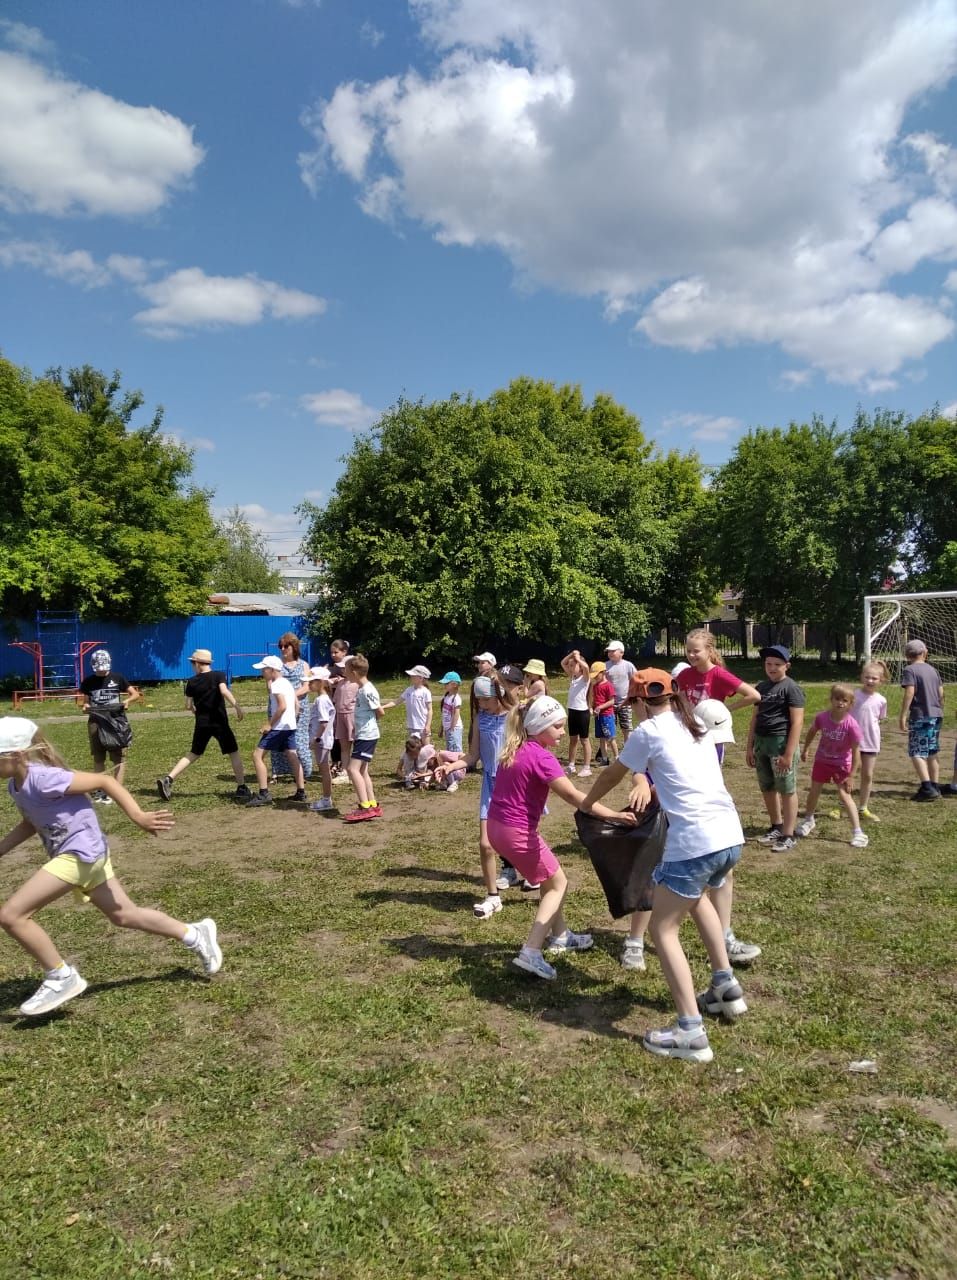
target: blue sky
275 218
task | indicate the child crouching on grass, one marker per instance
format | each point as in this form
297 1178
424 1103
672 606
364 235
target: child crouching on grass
702 846
527 771
54 804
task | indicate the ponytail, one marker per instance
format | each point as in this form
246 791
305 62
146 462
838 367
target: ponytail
514 734
683 710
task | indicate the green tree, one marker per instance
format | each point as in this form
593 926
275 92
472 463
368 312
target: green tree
530 514
929 477
242 563
95 516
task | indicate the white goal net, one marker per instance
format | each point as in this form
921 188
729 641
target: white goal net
890 621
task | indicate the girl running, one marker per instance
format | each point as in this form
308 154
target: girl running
54 804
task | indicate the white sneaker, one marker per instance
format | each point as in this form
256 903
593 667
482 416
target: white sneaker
534 962
453 786
805 826
570 768
340 779
487 908
726 999
672 1042
633 955
741 953
584 773
508 879
52 992
206 946
859 840
569 941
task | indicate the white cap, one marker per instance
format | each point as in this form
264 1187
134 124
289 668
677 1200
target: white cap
541 713
16 733
485 657
419 670
270 661
677 669
615 644
319 673
716 718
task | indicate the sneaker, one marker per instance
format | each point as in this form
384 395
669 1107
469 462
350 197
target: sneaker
206 946
242 792
570 769
363 815
872 817
771 836
528 887
52 992
508 879
570 942
165 787
741 953
322 805
105 799
257 801
924 793
726 999
947 789
633 955
672 1042
453 786
488 907
534 962
375 811
859 840
805 826
300 795
584 773
783 844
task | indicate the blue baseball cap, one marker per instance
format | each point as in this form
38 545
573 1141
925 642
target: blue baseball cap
775 651
451 677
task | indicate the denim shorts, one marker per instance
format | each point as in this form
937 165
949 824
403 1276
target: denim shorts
691 876
923 736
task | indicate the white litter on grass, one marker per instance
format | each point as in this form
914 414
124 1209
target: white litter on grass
866 1067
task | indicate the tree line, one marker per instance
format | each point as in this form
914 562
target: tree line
533 514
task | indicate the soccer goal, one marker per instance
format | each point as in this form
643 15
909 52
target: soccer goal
890 621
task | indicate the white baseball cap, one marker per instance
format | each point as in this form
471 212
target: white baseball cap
677 669
319 673
270 661
16 733
716 718
541 713
419 670
485 657
615 644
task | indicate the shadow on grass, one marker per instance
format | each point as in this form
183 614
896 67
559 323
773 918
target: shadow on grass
426 873
15 990
575 1000
439 900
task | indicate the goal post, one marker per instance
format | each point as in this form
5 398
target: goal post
891 620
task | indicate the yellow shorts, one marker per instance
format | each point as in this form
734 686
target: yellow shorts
83 876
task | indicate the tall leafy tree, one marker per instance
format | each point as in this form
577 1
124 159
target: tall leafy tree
531 513
243 560
96 516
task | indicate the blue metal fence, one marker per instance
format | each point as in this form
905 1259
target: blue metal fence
160 651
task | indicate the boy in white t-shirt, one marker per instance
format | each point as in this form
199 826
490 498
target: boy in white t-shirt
418 703
279 731
322 719
368 713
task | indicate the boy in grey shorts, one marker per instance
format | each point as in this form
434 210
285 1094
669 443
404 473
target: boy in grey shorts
774 738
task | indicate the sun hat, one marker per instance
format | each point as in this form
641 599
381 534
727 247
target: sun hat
419 670
541 713
677 669
511 673
319 673
270 661
614 644
716 718
596 669
451 677
775 651
652 682
485 657
16 733
201 655
482 687
534 667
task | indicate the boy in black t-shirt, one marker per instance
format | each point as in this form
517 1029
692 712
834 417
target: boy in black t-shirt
104 696
773 740
207 694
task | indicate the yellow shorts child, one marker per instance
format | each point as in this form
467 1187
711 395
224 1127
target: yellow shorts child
83 876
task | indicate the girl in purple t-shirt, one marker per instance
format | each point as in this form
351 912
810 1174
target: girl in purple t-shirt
527 772
834 761
53 803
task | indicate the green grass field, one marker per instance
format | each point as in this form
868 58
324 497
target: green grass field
365 1090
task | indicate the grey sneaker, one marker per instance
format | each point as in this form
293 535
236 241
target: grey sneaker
805 826
322 805
256 802
165 787
783 844
242 792
534 963
672 1042
206 946
508 879
633 955
741 953
771 836
52 992
570 942
726 999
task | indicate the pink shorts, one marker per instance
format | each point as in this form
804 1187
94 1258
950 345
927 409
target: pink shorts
525 850
823 771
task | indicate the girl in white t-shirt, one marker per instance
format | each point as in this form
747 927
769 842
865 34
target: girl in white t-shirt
869 709
703 845
579 717
322 721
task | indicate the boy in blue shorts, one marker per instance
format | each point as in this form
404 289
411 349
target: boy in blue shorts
922 712
774 737
279 731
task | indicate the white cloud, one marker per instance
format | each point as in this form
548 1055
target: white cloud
76 266
282 530
25 39
198 444
65 147
951 282
190 299
261 399
949 410
792 378
315 495
702 426
339 408
739 178
370 34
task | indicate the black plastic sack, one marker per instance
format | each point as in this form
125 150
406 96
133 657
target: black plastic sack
113 729
624 857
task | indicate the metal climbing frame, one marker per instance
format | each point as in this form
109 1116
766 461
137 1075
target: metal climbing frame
58 654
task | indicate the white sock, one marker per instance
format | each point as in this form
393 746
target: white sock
190 937
63 970
532 951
